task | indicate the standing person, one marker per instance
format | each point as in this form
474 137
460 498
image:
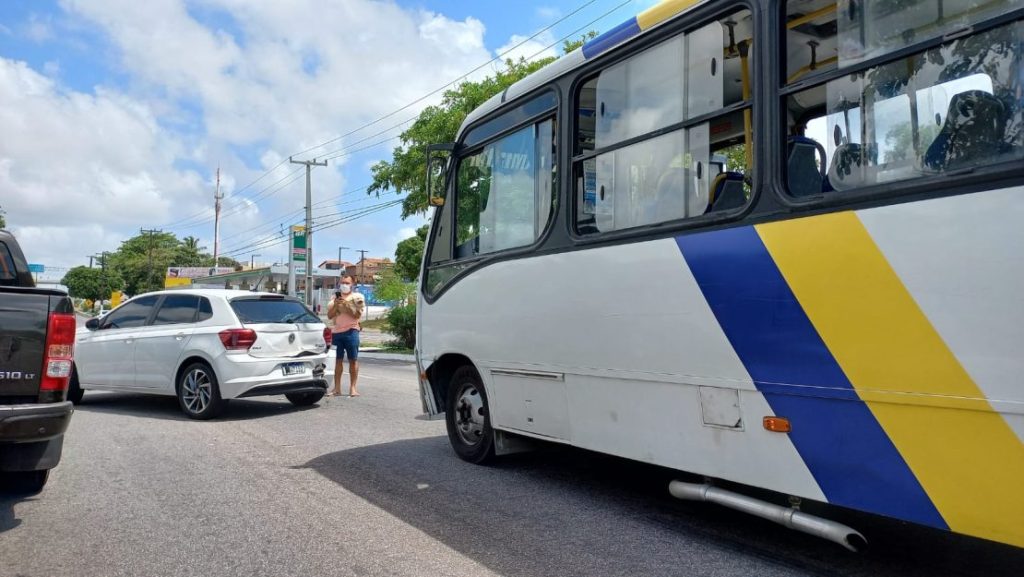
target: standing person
345 311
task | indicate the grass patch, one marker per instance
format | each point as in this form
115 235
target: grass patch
380 324
394 347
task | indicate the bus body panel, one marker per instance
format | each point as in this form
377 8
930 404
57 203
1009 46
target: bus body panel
889 337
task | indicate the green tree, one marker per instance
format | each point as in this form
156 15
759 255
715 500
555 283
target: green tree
91 283
190 253
391 287
405 173
142 261
3 221
409 254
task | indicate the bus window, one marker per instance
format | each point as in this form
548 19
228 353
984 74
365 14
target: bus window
664 175
954 107
504 192
872 29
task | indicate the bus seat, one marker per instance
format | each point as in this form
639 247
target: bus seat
845 171
972 133
727 192
469 248
804 174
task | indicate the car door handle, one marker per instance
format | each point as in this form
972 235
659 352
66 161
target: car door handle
179 337
129 341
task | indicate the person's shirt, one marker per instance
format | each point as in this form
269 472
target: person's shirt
347 312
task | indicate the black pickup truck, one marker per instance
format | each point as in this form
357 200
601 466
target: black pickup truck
37 337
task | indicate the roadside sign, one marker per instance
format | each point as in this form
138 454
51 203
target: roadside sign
36 268
299 243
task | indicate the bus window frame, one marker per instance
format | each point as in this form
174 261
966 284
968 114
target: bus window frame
931 186
684 24
474 262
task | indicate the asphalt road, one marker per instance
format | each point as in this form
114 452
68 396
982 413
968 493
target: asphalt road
364 487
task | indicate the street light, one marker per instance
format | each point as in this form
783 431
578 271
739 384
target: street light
252 261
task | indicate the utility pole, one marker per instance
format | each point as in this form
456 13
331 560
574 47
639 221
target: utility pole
150 233
309 226
362 262
102 258
217 197
252 260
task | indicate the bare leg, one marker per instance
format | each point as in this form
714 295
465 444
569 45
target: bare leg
353 376
339 367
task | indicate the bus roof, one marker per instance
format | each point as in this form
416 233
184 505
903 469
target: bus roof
635 26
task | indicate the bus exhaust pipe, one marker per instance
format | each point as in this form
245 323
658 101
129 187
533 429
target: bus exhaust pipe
791 518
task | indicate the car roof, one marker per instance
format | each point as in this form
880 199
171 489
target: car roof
221 293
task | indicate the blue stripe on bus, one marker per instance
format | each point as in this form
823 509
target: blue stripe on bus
845 448
616 35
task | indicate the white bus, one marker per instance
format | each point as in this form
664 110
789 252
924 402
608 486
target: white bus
777 244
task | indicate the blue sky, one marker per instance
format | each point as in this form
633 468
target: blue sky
123 110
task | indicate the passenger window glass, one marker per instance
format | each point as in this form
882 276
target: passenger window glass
132 314
868 29
955 107
177 309
675 175
504 192
205 310
824 34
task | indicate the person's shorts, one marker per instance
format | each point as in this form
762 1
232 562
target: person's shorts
347 343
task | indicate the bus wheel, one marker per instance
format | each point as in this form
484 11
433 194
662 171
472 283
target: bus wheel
468 419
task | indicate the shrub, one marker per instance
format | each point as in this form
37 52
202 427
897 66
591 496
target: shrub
402 324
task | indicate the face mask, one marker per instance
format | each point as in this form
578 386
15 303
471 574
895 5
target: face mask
346 288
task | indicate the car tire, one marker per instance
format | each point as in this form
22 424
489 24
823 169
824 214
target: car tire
75 391
24 482
304 399
199 393
468 417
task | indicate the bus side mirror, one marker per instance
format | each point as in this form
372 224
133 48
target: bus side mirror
438 161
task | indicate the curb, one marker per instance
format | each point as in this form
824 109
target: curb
386 356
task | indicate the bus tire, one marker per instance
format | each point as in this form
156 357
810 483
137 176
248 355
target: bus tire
468 417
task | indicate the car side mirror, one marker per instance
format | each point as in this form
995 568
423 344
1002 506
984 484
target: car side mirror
92 324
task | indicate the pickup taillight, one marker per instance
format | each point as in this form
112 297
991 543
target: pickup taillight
58 352
237 339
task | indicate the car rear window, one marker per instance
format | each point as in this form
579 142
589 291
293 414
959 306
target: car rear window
264 311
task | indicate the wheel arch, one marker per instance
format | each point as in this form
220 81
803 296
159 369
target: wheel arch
188 360
440 375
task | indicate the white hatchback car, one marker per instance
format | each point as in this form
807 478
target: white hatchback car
205 347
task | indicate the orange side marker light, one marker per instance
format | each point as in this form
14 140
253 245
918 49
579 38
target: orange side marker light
777 424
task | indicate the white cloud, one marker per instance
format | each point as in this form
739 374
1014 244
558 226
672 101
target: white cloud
104 163
535 49
549 12
81 158
38 30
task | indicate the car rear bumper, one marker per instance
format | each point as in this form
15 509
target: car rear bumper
314 386
32 423
32 436
245 376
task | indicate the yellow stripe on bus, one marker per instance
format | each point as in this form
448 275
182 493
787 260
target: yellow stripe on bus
660 12
969 462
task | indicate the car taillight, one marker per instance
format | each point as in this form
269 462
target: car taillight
237 339
327 336
59 352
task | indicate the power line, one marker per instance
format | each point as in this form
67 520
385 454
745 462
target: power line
176 223
446 85
353 215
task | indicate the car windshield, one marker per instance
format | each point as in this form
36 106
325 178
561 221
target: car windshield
264 311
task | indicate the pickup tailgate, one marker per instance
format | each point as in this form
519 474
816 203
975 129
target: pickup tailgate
23 324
